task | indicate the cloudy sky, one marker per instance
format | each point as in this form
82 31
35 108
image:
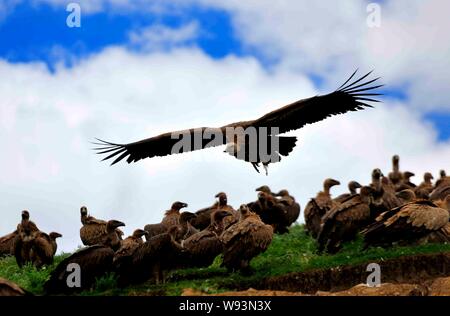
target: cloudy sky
136 68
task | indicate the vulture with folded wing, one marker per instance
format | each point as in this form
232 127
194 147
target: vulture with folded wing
203 218
26 232
171 218
243 139
352 187
44 248
7 244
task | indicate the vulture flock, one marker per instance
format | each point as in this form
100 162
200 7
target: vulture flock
181 240
390 210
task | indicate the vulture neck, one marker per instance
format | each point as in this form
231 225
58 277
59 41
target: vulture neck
395 166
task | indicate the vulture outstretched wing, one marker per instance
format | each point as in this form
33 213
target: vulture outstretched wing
351 96
162 145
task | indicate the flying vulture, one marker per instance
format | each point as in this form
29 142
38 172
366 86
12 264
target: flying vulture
257 141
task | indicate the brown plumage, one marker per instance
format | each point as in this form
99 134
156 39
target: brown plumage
171 218
8 288
441 190
186 229
95 231
443 234
44 248
390 200
202 248
245 240
129 244
352 187
345 220
274 211
203 218
291 206
395 176
317 207
150 259
26 232
405 224
265 189
7 244
424 189
351 96
94 262
406 196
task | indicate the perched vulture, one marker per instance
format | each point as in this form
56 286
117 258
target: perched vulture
274 211
44 248
378 205
406 182
352 187
444 179
395 176
424 189
152 258
26 232
317 207
8 288
243 139
202 248
265 189
292 208
95 231
94 262
7 244
345 220
186 229
441 190
405 224
171 218
129 244
203 218
245 240
443 234
390 200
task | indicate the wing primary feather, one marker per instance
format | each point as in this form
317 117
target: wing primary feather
351 85
119 150
349 89
364 89
120 158
348 79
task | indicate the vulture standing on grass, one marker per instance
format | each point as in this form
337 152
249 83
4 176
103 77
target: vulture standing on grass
405 224
150 259
186 229
292 208
204 215
44 248
245 240
345 220
94 231
23 242
318 207
351 96
7 244
94 262
352 187
8 288
424 189
171 218
273 211
202 248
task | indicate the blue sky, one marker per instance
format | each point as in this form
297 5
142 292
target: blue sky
25 42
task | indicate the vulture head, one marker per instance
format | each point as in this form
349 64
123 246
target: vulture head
353 185
25 215
178 205
54 235
222 198
428 177
218 216
407 175
138 233
244 212
395 160
83 211
187 217
328 183
377 174
264 189
282 193
443 174
406 195
113 224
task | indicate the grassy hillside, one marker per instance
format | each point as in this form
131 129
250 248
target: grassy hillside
293 252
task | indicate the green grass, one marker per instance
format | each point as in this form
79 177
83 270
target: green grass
293 252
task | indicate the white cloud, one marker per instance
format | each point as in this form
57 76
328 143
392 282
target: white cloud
47 165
